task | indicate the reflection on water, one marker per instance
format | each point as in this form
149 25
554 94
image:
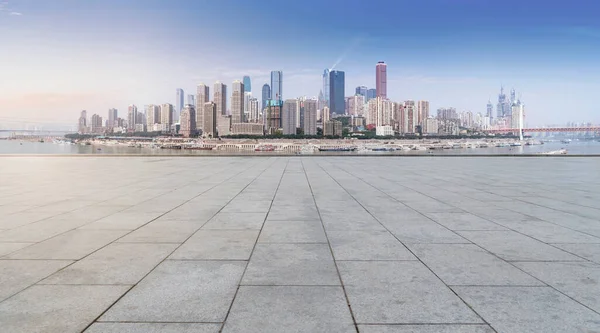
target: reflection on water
26 147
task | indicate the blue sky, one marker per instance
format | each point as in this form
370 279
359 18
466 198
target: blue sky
59 57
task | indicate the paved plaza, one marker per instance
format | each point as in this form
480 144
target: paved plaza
299 244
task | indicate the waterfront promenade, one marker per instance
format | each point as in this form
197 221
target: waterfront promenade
299 244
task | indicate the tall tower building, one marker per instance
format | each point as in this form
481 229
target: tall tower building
188 121
325 114
191 100
288 116
247 84
82 123
490 110
237 102
178 104
277 85
152 116
371 93
272 116
254 111
310 117
166 117
266 95
326 97
422 113
112 117
131 116
381 79
202 97
220 98
337 84
210 119
361 90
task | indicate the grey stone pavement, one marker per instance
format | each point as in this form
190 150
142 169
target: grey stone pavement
299 244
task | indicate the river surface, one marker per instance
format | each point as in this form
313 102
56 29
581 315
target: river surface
28 147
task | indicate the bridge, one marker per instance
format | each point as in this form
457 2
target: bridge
595 129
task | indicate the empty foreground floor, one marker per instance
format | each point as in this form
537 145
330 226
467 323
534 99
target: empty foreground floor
299 244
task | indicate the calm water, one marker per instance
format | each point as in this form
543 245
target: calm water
25 147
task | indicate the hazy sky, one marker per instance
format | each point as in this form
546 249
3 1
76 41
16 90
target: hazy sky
60 57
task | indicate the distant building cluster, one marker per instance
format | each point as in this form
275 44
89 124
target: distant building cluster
331 113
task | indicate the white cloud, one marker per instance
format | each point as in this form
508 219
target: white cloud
15 14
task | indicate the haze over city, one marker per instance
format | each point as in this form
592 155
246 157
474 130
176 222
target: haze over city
62 57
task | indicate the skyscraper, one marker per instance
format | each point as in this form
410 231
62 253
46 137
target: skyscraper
288 116
371 93
277 85
82 124
381 79
152 116
490 110
422 113
210 119
310 117
247 84
188 121
202 97
337 84
361 90
254 112
112 117
166 117
326 96
504 108
266 95
220 98
272 116
178 104
191 100
237 102
131 116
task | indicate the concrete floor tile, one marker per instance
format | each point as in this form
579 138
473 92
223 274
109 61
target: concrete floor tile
16 275
218 245
289 309
181 291
291 264
153 328
118 263
57 309
400 292
7 248
367 245
588 251
425 329
464 221
236 221
529 310
292 232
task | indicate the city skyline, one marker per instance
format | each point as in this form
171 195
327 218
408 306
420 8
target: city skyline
548 53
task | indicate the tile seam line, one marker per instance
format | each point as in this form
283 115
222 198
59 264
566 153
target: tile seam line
419 259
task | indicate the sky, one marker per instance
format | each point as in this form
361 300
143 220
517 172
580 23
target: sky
63 56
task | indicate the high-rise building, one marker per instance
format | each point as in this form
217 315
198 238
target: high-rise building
332 128
191 100
202 97
266 95
247 84
326 96
82 122
223 125
446 114
188 121
166 116
113 115
209 128
361 90
356 105
237 102
371 93
422 113
337 91
504 108
490 110
247 98
381 79
380 112
254 111
178 104
272 116
321 101
131 116
325 114
288 116
152 116
277 85
220 98
310 117
409 117
96 124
